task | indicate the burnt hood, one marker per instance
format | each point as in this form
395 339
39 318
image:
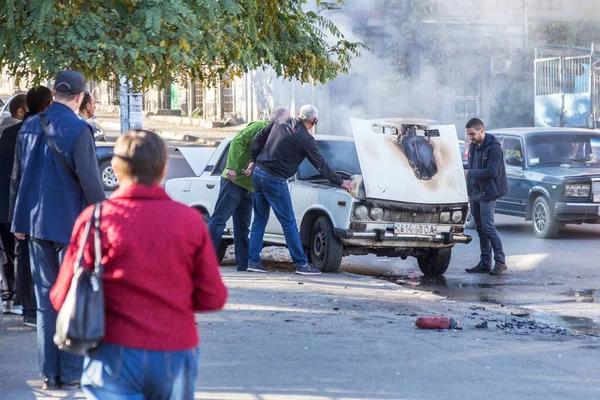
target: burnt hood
410 162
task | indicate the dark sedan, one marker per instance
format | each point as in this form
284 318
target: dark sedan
553 177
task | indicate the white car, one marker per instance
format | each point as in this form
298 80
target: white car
402 207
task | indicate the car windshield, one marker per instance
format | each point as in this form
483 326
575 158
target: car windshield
568 148
340 155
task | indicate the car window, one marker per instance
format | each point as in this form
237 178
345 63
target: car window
222 163
565 148
340 155
512 147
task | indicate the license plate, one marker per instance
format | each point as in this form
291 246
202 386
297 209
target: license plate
415 229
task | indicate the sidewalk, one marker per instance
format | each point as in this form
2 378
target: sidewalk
111 124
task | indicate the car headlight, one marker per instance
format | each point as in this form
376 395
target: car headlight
457 216
445 216
376 214
581 190
361 212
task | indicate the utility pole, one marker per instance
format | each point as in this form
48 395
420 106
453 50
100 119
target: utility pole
130 107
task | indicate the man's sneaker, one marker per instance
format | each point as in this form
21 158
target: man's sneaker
480 268
257 268
74 385
307 269
50 383
30 321
7 306
499 268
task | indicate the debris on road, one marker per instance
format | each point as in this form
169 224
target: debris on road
436 323
482 325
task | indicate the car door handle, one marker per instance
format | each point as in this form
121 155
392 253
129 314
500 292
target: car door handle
210 185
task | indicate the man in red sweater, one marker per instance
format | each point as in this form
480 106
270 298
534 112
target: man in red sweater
147 240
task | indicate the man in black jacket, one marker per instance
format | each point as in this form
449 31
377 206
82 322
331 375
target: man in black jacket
37 100
277 151
486 182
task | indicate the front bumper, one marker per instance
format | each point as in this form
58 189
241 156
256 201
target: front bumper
379 235
577 209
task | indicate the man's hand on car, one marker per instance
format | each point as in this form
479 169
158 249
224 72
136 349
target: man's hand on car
20 236
231 175
348 185
248 171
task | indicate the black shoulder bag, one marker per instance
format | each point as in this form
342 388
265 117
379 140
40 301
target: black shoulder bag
80 321
54 150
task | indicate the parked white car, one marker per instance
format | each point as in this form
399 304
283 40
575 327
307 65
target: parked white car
406 204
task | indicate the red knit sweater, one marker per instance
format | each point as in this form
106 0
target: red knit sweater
159 267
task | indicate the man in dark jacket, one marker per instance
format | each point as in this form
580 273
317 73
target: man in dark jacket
486 182
37 100
59 162
278 150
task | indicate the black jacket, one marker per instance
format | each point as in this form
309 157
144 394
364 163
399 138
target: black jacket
280 147
487 175
8 142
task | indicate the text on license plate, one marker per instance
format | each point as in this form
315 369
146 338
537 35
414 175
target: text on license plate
415 229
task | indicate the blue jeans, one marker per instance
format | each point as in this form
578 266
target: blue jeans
489 238
114 372
237 201
271 192
45 258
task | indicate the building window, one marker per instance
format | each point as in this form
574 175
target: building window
227 96
198 99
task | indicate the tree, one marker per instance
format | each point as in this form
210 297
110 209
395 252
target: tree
152 41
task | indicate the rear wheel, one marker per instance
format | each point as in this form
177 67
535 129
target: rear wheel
107 175
545 226
325 249
435 262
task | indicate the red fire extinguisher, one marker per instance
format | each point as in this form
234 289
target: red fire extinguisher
436 323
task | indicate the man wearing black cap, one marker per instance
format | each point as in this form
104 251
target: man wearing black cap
55 177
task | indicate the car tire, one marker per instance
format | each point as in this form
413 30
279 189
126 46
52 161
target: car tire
545 226
470 221
107 176
222 249
326 251
435 262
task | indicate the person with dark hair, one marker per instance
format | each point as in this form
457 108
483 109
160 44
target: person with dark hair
486 182
150 347
236 192
17 108
88 106
17 251
55 156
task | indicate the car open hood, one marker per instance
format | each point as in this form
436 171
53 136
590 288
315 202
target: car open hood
197 157
403 167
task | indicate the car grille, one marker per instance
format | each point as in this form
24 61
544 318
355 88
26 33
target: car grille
411 217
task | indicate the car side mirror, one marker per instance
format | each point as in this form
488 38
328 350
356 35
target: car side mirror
589 120
514 161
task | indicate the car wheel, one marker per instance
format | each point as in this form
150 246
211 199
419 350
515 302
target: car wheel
219 251
435 262
545 226
325 249
107 176
470 221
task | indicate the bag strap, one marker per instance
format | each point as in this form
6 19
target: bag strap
94 219
57 153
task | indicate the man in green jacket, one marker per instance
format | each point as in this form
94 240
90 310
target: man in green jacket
236 192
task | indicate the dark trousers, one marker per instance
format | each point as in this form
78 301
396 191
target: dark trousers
234 201
489 238
7 260
46 258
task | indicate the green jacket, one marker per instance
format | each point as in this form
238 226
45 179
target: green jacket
239 154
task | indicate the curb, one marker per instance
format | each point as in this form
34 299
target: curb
209 142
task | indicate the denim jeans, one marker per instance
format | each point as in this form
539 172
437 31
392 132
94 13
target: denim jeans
45 258
271 192
489 238
234 201
25 289
7 258
114 372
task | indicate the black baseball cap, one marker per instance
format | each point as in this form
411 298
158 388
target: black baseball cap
69 82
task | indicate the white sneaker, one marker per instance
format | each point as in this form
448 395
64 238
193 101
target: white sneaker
7 306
